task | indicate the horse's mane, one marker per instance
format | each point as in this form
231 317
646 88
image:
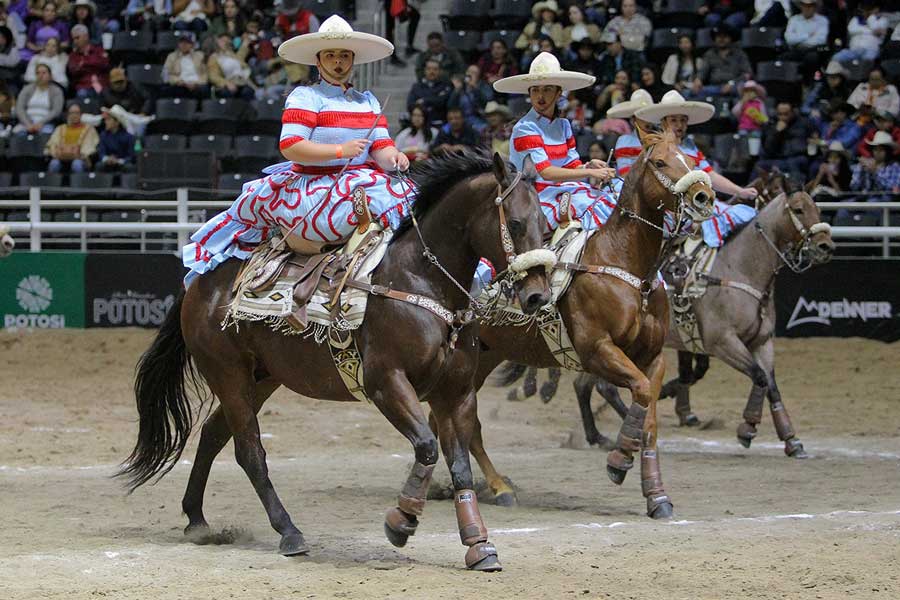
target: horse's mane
435 176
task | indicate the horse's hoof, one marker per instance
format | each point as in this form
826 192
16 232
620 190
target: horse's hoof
395 537
616 475
483 557
195 530
794 448
398 526
506 499
292 544
689 420
745 434
660 510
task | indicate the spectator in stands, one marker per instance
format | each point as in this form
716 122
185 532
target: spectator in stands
128 102
683 67
415 140
750 110
451 61
116 149
544 23
261 51
88 65
770 13
614 93
876 94
617 58
283 77
650 82
48 26
230 21
806 32
497 63
495 136
293 19
229 73
839 127
391 25
185 70
883 121
732 13
83 14
72 144
724 66
431 92
39 104
7 108
456 135
108 15
471 95
834 86
15 23
585 61
633 28
151 13
9 55
833 176
51 57
784 141
544 44
866 31
881 173
193 15
578 29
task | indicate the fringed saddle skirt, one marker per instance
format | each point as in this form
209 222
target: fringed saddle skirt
685 273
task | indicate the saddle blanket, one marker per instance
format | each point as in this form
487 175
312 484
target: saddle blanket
275 303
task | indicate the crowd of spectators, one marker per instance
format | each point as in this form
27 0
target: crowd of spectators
819 101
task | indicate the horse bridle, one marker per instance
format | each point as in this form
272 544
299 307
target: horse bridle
797 258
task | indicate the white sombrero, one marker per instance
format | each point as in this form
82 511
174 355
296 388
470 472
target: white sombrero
545 70
625 110
674 103
335 34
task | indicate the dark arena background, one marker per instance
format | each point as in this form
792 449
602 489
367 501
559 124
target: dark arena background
114 151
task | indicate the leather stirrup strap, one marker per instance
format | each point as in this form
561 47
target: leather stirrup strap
361 209
565 209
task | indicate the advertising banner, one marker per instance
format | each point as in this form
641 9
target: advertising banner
841 299
42 291
130 290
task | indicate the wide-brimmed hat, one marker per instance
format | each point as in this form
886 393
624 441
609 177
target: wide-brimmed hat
625 110
540 7
117 113
836 146
335 34
835 68
882 138
87 3
752 85
544 70
674 103
495 107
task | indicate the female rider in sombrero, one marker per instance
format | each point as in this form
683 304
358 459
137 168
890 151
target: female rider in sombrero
674 114
546 137
323 127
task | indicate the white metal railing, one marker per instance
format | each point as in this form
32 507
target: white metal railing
182 216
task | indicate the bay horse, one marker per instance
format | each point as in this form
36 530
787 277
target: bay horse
614 312
737 323
468 206
6 242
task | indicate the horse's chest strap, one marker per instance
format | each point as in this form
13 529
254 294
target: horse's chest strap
456 320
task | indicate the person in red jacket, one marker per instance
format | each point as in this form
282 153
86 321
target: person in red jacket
883 121
88 65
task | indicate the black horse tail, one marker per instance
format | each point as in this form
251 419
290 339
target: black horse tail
509 373
163 375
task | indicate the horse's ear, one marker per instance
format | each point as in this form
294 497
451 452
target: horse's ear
501 171
643 135
528 169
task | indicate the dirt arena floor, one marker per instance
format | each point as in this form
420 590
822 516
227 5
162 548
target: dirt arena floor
749 523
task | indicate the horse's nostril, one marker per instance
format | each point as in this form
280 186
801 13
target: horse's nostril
826 247
701 198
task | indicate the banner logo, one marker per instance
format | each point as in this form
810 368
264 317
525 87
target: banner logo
34 294
822 311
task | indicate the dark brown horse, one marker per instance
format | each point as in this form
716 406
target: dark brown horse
466 205
617 324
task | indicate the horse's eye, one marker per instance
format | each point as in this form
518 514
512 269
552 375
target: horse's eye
797 211
516 227
660 163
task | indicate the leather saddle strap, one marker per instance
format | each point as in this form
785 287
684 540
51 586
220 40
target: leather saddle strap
565 209
632 280
361 208
736 285
428 304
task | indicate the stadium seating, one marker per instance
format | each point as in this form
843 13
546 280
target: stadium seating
761 43
165 142
216 144
132 47
511 14
780 78
91 180
40 179
665 42
468 15
680 13
173 115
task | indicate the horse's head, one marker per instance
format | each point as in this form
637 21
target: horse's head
515 213
802 228
679 188
6 242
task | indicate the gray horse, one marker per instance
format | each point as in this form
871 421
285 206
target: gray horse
736 320
6 243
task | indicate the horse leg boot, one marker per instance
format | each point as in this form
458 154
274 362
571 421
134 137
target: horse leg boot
765 354
548 390
683 390
213 437
456 423
621 459
396 399
746 431
659 505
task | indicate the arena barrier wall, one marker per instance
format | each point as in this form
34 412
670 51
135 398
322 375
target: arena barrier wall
851 298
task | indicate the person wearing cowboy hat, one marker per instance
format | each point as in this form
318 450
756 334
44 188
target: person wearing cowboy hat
806 32
881 173
496 134
546 138
82 13
723 66
673 113
116 149
628 146
834 174
545 22
335 139
882 121
833 85
838 126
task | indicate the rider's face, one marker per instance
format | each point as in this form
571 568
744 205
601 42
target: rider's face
336 65
677 124
544 98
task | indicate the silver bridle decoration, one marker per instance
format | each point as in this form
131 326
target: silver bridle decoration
797 258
